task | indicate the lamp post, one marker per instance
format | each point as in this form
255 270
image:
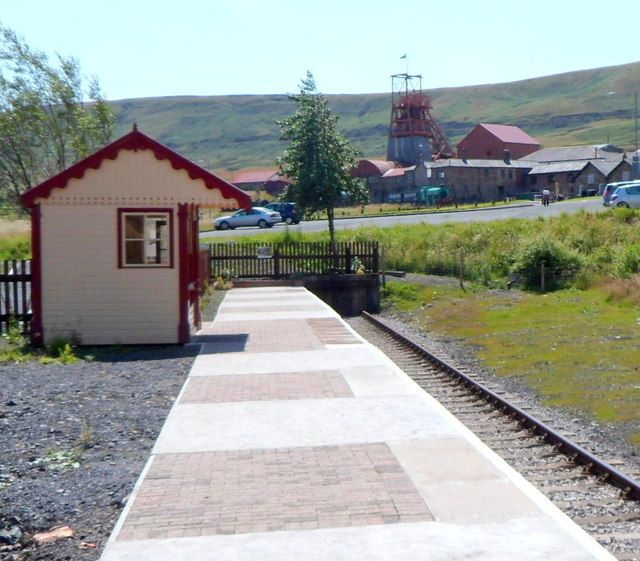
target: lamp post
636 156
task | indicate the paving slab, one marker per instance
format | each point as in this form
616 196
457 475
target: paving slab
293 438
210 363
516 540
305 422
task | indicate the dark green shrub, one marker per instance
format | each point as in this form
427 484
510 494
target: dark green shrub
626 262
560 264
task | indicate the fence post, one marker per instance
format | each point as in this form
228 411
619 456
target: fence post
542 274
376 257
276 262
347 257
461 267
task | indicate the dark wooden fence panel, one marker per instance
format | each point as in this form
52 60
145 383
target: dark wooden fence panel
284 260
15 294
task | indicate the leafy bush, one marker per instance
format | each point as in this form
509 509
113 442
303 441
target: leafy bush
560 264
626 262
15 246
60 351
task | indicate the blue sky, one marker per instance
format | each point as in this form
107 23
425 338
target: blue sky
143 48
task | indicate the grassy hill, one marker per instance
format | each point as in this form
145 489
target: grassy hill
239 131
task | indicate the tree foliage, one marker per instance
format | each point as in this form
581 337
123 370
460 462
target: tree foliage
318 159
45 123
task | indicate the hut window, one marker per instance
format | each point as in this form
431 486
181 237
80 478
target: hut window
145 239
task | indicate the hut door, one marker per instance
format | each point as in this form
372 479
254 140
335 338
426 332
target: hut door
188 259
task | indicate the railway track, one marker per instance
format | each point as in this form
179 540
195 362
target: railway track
597 495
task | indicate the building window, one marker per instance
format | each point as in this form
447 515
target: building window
510 174
145 238
591 178
626 175
441 175
503 173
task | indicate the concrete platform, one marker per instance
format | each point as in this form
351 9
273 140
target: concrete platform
294 439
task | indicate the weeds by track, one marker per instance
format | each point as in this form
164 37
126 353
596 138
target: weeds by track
595 494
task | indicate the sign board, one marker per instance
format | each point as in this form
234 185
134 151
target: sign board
264 252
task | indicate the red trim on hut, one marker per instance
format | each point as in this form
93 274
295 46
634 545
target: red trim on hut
135 140
195 273
37 336
184 332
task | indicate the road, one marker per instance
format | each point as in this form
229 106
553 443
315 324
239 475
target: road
592 204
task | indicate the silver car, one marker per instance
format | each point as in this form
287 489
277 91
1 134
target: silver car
626 196
257 216
610 189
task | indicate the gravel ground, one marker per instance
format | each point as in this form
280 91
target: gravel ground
105 414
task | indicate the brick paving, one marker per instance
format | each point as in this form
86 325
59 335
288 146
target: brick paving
237 492
332 331
266 387
266 336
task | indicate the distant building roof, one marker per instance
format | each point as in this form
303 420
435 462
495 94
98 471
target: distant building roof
510 133
559 167
606 166
480 163
396 172
572 153
368 167
253 176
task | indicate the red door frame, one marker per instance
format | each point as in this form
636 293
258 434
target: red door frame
188 285
37 335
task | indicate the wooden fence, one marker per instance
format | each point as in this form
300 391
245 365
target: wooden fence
15 294
204 269
286 260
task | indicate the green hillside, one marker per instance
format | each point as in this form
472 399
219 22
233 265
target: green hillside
240 131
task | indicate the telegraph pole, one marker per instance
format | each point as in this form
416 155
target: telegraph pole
636 156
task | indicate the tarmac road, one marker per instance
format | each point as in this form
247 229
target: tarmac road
527 210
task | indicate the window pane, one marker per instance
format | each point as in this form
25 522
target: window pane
156 227
134 227
134 252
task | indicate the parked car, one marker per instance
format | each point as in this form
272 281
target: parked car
288 211
610 188
257 216
626 196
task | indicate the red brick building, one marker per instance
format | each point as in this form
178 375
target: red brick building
489 142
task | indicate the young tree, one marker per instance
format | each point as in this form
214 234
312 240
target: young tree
45 124
319 158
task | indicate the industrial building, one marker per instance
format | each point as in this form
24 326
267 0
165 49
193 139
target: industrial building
489 141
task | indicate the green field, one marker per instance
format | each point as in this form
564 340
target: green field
229 133
577 349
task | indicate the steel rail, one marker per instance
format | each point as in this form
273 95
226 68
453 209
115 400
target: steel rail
606 472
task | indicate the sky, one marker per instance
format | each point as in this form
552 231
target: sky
144 48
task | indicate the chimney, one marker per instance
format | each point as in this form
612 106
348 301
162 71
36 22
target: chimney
507 156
